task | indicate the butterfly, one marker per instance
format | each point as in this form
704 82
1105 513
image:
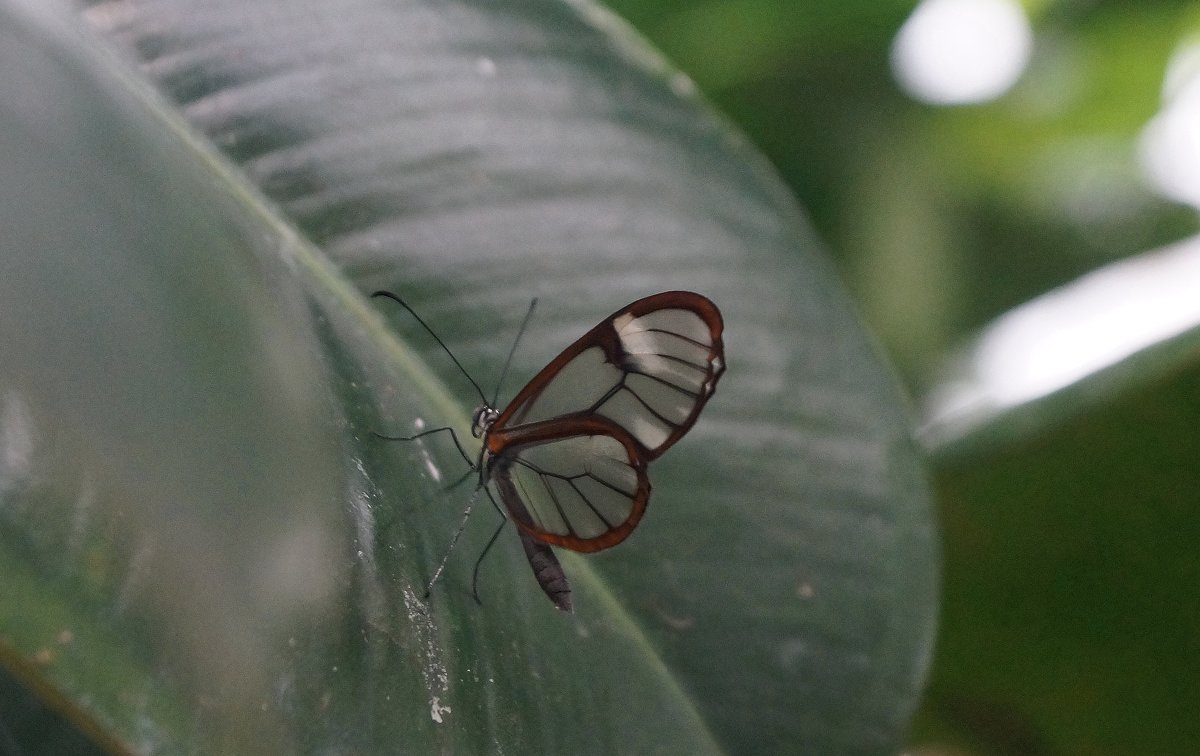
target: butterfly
569 455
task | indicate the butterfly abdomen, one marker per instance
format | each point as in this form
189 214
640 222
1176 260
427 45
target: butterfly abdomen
548 571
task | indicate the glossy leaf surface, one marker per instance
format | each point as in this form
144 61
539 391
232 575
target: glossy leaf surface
198 410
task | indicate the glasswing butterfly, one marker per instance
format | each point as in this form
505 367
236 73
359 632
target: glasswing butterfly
569 454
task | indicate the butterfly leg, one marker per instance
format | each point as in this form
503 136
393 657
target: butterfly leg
462 479
458 533
479 561
422 434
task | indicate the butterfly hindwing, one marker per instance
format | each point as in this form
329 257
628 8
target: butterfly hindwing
579 483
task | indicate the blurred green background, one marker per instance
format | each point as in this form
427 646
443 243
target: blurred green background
1070 620
942 217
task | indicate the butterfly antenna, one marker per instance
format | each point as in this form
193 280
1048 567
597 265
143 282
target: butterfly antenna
511 352
442 344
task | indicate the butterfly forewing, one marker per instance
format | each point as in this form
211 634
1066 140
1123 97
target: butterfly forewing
650 368
571 450
579 384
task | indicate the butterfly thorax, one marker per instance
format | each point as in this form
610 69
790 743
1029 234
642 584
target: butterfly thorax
481 422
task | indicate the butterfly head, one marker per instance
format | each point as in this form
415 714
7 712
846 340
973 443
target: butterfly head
483 419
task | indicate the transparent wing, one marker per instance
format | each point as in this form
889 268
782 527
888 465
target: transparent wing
580 484
649 368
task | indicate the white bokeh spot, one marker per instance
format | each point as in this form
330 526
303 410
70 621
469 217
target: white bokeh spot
954 52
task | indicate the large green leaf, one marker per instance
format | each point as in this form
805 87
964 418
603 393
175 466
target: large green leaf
205 546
